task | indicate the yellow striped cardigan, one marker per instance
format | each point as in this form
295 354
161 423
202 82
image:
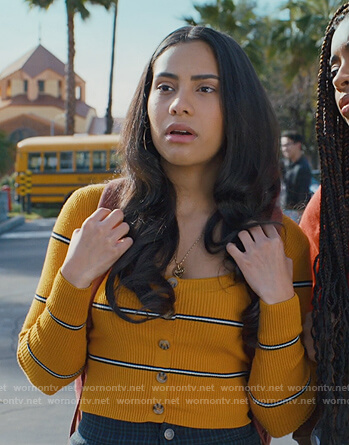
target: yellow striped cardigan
189 370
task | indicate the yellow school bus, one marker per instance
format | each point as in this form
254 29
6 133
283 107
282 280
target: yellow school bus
58 165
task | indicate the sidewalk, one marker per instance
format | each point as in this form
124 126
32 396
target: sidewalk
11 223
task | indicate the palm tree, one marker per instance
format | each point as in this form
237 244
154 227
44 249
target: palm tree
298 38
295 43
72 7
109 116
238 19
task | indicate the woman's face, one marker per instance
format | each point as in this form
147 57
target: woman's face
184 105
339 63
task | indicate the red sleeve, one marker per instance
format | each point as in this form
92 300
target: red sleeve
310 224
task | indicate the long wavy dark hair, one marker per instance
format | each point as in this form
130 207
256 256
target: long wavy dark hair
331 294
247 185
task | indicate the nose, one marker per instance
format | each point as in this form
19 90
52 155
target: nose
180 105
341 79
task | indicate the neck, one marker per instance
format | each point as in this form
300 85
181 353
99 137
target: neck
194 189
296 157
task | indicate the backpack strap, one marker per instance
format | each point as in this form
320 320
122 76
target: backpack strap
109 200
110 196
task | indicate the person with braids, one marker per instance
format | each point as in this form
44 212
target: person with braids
196 325
325 221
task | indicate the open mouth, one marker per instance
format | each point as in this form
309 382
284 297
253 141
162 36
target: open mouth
181 132
345 111
344 105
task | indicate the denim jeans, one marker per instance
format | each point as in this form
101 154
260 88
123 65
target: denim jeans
96 430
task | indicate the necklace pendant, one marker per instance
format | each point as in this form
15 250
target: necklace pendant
178 271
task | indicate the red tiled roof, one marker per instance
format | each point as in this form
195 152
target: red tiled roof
82 108
35 62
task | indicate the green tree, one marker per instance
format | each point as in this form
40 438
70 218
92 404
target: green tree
72 7
298 38
7 154
283 48
295 42
238 19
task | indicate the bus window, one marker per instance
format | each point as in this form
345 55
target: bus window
82 160
50 161
34 162
62 164
66 161
99 159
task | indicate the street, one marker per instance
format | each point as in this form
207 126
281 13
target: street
28 417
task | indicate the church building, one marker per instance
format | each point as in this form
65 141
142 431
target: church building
32 97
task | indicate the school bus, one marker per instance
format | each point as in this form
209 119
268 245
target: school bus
58 165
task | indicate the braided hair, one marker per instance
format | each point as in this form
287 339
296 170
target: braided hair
331 293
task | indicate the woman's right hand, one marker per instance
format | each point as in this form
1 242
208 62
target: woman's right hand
95 247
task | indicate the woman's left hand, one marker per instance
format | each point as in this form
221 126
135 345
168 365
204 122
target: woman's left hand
266 268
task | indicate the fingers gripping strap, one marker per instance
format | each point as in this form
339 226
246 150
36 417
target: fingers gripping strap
109 200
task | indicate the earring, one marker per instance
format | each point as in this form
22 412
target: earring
144 140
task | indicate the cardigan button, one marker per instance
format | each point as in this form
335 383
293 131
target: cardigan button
173 282
158 408
164 344
161 377
169 434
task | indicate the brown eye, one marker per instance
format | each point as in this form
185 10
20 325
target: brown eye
164 88
334 72
207 89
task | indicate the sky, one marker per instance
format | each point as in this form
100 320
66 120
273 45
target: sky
141 25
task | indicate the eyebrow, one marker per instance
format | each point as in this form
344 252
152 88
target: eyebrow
335 58
195 77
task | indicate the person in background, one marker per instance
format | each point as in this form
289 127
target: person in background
326 223
296 172
206 283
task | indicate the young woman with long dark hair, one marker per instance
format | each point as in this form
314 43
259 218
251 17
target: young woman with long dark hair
197 323
325 221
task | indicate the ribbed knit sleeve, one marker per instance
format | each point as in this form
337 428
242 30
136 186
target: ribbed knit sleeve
281 385
52 343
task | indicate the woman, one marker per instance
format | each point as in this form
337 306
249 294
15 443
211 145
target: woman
327 228
199 280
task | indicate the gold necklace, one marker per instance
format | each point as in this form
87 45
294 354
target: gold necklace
179 270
